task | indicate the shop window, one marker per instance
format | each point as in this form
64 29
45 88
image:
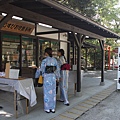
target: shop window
10 51
44 44
28 52
55 47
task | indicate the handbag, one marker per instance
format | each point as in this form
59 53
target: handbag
40 80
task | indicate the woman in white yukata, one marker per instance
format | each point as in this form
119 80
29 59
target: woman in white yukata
51 73
63 82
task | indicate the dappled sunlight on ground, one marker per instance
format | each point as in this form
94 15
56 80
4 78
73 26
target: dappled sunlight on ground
98 77
5 114
109 75
92 72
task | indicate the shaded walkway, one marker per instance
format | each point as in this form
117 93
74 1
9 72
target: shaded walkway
90 88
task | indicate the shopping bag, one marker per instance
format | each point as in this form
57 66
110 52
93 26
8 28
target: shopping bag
36 84
40 80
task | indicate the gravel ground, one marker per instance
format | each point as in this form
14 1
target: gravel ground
109 75
109 109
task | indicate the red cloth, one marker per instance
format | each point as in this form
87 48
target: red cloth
65 66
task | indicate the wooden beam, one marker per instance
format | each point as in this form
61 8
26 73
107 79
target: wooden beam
3 2
5 20
50 32
83 39
101 45
76 39
35 17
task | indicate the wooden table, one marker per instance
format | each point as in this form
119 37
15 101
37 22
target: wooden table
23 87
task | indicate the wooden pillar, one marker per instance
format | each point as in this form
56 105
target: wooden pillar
68 50
79 39
86 56
20 55
37 47
0 52
75 54
109 57
35 29
102 69
73 49
94 58
59 40
78 44
79 64
37 52
102 63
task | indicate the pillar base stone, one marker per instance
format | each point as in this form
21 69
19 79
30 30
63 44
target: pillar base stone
94 69
78 94
102 83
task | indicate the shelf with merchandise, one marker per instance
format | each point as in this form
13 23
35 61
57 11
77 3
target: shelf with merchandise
12 42
8 48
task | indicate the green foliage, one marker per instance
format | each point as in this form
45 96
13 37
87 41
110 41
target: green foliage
108 14
84 7
101 11
92 52
104 12
108 42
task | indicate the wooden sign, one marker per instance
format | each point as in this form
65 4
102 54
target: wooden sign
7 70
18 26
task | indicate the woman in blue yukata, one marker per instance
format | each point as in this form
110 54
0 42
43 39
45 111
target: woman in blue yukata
64 73
51 72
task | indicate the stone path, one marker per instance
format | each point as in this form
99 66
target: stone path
78 110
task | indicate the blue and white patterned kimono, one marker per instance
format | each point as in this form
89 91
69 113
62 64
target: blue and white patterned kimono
64 81
49 84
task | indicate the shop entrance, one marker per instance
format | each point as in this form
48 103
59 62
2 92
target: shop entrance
23 52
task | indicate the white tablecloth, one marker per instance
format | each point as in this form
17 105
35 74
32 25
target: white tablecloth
23 87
